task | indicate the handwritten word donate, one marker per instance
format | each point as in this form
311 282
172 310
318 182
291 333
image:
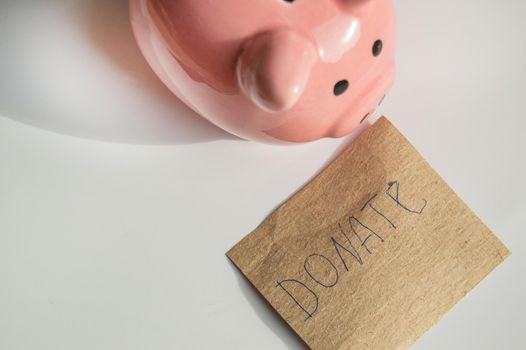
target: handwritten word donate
300 293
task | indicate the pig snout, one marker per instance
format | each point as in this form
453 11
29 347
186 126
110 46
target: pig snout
274 69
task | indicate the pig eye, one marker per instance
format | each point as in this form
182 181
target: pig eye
377 47
340 87
291 1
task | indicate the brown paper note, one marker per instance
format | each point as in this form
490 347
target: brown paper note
373 252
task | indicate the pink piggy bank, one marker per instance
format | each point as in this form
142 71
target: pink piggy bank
267 70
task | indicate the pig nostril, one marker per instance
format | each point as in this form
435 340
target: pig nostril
291 1
377 47
340 87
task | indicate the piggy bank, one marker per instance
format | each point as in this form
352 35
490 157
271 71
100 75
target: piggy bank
272 70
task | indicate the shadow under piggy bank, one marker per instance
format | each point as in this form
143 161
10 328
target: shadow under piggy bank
75 68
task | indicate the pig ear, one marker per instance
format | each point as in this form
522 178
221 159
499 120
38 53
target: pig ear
274 69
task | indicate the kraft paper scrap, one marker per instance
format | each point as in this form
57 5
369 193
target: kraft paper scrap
373 252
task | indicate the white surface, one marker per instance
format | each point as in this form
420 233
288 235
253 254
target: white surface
107 245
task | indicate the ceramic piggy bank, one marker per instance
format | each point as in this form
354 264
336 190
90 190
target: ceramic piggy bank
288 70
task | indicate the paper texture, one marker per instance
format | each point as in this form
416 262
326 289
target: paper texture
373 252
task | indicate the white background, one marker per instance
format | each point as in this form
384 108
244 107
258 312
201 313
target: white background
117 203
